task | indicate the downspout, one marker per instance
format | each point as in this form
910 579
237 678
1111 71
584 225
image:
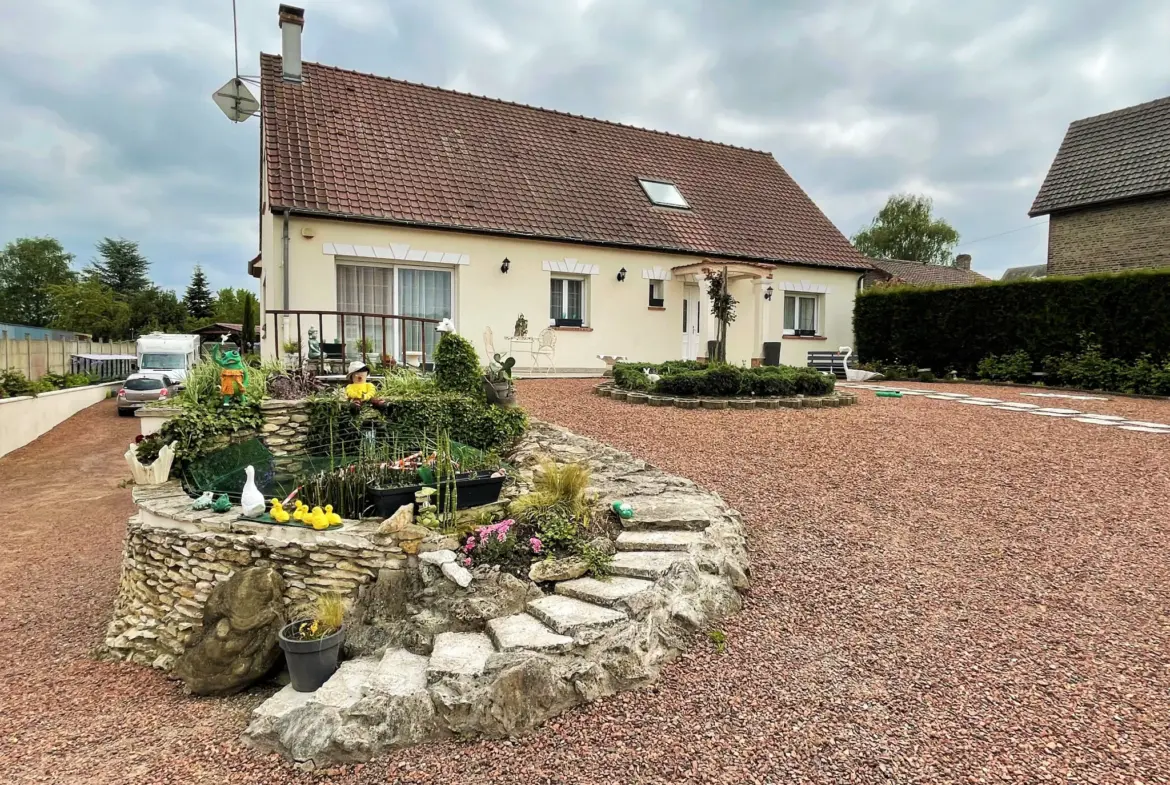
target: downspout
284 263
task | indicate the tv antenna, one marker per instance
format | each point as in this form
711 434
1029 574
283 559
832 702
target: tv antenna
234 98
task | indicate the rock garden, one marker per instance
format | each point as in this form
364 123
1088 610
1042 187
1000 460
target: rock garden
692 385
410 560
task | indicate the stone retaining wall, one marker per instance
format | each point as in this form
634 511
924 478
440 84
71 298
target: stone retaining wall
173 558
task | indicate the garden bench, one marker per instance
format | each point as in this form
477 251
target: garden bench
837 364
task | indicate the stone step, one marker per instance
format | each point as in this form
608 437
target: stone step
522 631
607 593
644 564
459 654
347 685
399 673
673 511
658 540
566 615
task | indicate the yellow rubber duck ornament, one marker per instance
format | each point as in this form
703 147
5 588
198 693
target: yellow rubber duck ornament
317 519
299 512
278 513
331 518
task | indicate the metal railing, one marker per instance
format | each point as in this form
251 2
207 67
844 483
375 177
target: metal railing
398 340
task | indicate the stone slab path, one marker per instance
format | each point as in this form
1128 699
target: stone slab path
1028 408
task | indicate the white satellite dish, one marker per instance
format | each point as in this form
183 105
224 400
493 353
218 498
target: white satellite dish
236 100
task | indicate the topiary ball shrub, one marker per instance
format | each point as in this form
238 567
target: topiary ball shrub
721 380
457 366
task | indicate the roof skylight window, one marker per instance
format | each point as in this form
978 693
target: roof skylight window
664 194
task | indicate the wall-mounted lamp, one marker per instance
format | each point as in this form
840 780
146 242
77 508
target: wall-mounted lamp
504 267
622 274
768 293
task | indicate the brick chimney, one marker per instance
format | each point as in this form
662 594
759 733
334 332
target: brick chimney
292 21
963 261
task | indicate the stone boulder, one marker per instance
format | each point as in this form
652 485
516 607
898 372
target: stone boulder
557 570
238 644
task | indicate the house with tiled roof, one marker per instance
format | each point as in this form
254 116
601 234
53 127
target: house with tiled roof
1107 194
902 272
383 198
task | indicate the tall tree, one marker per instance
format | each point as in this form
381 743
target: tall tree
248 324
155 309
121 267
28 267
906 229
90 307
198 300
229 306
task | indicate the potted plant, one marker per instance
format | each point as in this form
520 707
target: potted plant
520 330
292 353
497 381
311 644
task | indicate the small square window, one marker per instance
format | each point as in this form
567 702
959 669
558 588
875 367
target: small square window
567 304
657 293
800 315
664 194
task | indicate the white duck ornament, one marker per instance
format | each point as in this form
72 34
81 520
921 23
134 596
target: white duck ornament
251 500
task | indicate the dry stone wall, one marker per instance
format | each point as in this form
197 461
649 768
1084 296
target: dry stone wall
174 557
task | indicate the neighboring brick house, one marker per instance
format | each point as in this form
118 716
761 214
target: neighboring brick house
900 271
1107 194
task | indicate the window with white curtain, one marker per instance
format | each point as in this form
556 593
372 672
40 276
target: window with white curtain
567 301
402 291
800 314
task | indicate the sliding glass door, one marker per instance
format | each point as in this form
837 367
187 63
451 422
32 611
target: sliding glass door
402 291
425 293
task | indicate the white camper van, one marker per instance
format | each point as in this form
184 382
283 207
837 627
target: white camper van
172 355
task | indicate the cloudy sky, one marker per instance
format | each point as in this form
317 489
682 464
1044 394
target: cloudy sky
108 126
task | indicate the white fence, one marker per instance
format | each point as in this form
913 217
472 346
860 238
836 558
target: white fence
34 357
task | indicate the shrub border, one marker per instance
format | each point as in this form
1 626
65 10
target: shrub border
612 391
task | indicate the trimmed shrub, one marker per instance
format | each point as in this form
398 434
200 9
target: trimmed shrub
726 381
1014 367
630 377
467 420
957 327
457 366
721 380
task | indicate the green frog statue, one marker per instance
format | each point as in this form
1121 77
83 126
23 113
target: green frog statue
233 372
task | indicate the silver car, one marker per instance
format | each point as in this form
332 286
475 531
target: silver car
141 388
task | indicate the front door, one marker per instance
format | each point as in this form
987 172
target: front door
690 323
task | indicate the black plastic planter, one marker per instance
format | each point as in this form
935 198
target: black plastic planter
386 501
474 490
310 663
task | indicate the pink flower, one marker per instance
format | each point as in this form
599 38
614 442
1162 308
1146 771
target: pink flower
535 544
467 562
469 545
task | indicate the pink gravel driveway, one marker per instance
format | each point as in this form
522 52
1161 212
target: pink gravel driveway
942 593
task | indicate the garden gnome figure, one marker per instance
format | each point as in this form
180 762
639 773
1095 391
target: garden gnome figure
358 391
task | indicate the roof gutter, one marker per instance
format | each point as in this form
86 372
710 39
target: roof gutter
861 265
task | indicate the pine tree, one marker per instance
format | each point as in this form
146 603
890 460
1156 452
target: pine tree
122 267
199 302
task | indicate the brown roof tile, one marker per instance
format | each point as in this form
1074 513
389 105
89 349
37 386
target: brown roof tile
921 273
1112 156
355 145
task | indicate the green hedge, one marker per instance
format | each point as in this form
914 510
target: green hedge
466 419
694 379
955 328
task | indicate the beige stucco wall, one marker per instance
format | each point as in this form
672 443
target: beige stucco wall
619 318
24 419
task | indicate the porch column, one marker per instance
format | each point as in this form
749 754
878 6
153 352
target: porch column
763 309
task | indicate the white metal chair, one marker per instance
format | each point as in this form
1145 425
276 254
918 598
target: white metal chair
489 343
546 345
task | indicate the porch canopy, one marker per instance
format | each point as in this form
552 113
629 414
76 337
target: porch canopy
735 270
